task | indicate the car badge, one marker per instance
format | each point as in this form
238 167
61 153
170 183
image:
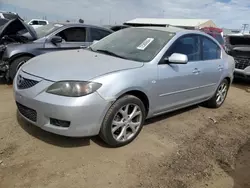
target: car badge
19 80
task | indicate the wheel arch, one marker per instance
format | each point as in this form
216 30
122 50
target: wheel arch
14 57
139 94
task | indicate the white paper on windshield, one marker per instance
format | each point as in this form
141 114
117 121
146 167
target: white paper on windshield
145 44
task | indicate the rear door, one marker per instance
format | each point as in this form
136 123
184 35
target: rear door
211 66
73 38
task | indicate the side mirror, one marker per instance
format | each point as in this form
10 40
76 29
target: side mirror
95 41
56 39
177 58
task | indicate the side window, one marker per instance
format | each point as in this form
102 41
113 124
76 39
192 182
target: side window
98 34
73 34
34 22
42 23
188 45
210 50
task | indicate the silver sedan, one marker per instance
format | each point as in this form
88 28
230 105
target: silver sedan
110 88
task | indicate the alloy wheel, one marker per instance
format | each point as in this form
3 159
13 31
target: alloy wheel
126 122
221 93
20 64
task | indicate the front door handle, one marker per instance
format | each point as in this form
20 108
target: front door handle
83 46
196 71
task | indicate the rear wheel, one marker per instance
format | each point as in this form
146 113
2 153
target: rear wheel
123 121
16 64
220 95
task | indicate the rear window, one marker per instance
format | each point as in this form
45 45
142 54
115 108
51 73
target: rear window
218 37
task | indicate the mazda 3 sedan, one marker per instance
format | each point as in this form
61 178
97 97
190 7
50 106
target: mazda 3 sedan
111 87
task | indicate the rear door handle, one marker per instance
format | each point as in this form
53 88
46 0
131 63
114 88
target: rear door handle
220 68
196 71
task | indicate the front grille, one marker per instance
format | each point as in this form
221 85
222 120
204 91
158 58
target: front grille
25 83
241 62
27 112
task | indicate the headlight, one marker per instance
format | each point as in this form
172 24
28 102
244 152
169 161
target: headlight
73 88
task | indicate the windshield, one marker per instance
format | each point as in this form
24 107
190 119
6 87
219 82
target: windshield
139 44
47 29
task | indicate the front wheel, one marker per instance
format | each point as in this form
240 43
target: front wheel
220 95
16 64
123 121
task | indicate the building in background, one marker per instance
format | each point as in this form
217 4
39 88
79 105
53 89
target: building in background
230 31
183 23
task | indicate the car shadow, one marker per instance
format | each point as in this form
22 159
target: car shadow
54 139
241 83
241 172
169 115
69 142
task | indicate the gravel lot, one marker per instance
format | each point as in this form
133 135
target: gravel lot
196 147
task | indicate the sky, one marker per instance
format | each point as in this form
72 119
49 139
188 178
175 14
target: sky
225 13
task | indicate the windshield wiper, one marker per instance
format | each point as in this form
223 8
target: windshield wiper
110 53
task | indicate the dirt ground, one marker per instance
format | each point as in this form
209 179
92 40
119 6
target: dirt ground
196 147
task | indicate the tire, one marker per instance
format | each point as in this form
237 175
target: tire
213 102
16 64
124 133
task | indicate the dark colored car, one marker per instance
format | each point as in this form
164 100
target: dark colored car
3 21
238 46
20 42
116 27
9 15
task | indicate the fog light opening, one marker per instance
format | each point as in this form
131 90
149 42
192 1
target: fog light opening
59 123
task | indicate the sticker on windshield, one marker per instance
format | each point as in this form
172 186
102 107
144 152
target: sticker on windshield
145 44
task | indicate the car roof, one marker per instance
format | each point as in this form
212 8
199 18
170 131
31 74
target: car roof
70 24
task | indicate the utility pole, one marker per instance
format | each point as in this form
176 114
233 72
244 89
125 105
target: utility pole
244 27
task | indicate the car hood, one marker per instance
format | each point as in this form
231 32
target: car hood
12 27
81 65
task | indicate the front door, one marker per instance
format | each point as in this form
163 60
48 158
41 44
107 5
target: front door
73 38
178 85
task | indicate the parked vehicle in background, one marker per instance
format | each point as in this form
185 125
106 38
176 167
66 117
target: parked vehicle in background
35 23
22 42
9 15
217 33
116 27
111 87
238 46
3 21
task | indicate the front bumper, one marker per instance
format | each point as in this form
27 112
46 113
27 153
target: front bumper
245 73
85 114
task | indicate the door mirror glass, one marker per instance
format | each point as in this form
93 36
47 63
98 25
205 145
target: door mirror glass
177 58
56 39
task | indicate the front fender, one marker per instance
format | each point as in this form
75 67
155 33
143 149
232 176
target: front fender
14 50
116 84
